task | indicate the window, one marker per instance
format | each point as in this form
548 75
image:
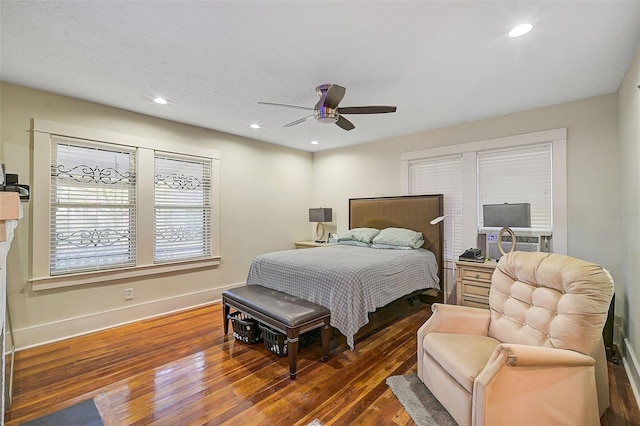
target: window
93 215
109 206
517 175
182 213
442 175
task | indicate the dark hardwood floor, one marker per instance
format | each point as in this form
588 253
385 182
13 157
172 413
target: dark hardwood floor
180 369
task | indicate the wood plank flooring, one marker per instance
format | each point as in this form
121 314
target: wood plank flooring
180 369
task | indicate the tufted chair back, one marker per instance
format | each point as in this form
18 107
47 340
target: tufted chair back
549 300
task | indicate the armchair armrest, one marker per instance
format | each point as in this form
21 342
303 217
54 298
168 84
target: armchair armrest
538 356
456 319
540 384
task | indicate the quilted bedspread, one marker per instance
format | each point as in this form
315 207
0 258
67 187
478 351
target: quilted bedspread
349 281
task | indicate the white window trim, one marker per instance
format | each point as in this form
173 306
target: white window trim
558 139
40 275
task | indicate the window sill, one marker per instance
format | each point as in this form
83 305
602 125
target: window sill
96 277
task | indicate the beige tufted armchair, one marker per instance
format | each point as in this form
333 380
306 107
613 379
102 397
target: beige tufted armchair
536 357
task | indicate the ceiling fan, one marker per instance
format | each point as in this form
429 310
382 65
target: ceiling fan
328 111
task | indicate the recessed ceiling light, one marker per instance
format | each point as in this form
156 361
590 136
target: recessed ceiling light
520 30
160 101
255 126
314 142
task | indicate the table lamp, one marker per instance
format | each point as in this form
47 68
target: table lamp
320 215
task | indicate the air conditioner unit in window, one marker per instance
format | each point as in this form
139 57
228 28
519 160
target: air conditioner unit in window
525 241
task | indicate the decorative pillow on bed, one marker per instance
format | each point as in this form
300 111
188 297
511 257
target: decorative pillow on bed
364 235
399 237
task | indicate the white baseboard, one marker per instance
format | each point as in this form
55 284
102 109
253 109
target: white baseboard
632 367
71 327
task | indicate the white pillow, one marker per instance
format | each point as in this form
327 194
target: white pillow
399 237
364 235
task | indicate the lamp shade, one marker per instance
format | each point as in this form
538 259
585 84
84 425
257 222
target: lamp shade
320 214
438 219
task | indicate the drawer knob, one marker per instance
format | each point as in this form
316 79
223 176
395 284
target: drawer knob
477 276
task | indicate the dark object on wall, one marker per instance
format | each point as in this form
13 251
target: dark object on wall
9 183
517 215
607 332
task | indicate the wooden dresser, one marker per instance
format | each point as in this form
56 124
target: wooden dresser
473 282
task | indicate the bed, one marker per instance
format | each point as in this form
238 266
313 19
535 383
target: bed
353 281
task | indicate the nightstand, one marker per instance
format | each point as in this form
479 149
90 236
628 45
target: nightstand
473 283
309 244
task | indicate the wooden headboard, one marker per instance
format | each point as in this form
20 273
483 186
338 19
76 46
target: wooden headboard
412 212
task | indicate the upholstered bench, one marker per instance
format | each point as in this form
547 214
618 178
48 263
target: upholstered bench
287 314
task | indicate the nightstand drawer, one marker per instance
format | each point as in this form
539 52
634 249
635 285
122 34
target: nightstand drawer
475 302
476 289
476 274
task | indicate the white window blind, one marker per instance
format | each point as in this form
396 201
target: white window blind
182 213
442 175
517 175
93 196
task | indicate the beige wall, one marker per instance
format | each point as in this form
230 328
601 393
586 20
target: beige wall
629 218
264 200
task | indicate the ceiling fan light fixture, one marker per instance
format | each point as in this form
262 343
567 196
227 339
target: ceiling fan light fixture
520 30
326 115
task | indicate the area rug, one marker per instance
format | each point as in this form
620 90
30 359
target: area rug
422 406
84 413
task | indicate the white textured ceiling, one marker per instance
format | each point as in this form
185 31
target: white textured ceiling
440 63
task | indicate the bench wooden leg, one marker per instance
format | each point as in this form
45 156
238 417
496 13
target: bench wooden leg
225 316
326 339
292 350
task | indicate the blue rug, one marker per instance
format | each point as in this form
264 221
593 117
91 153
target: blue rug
84 413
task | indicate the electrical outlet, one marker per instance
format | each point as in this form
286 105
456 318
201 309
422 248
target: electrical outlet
128 293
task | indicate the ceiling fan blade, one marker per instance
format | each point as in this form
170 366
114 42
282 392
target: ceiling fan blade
286 105
345 124
334 96
367 110
293 123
